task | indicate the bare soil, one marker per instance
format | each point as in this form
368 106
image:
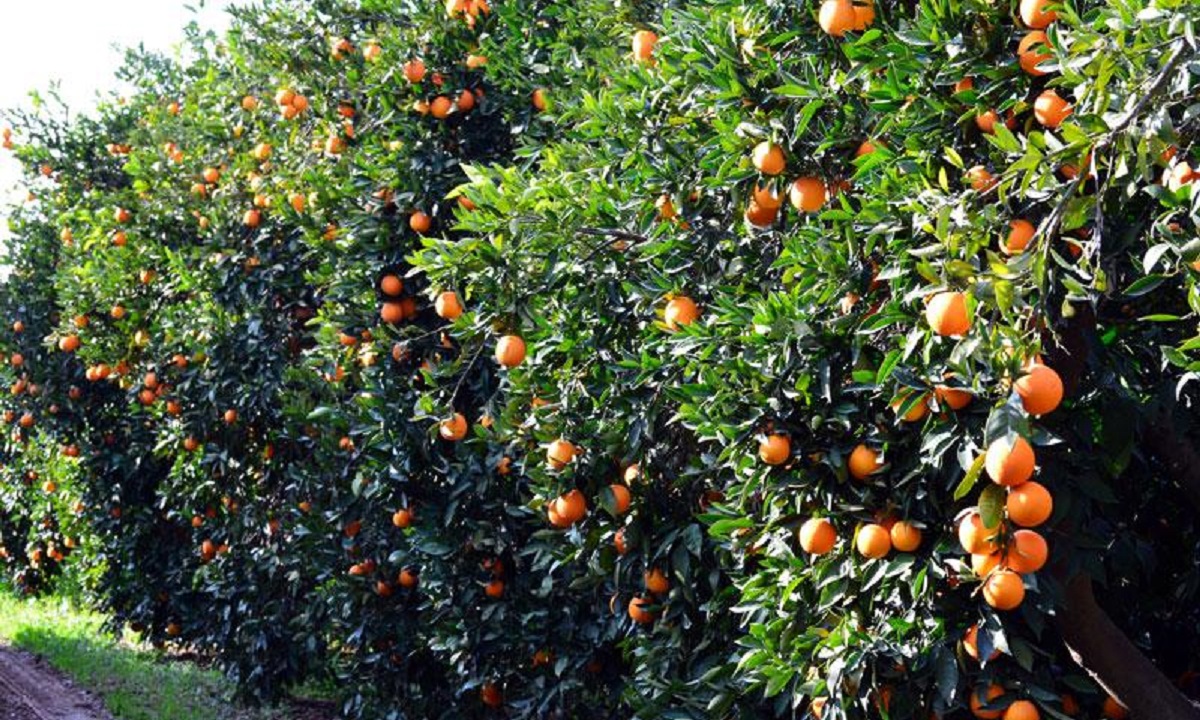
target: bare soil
32 690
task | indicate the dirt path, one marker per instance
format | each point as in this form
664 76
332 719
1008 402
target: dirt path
32 690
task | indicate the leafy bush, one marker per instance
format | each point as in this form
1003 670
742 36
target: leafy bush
460 355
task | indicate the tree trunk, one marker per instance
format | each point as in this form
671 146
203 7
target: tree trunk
1113 661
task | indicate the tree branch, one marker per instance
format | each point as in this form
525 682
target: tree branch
1102 649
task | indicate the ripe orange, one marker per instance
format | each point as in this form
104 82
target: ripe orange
490 695
392 312
448 306
981 697
864 15
510 351
863 462
1028 54
952 397
252 218
1020 232
1022 710
1029 504
466 101
69 343
656 582
414 70
249 103
1009 462
971 644
440 107
836 17
1004 590
639 611
915 413
1113 709
905 536
1035 15
947 313
760 216
567 509
402 518
643 45
495 589
963 85
980 179
974 537
560 453
982 564
1050 109
775 449
808 194
666 208
986 121
817 536
768 157
619 542
1027 552
391 285
408 578
230 416
681 310
454 428
1040 389
767 197
873 541
621 498
539 100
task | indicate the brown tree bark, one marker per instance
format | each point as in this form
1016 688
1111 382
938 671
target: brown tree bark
1113 661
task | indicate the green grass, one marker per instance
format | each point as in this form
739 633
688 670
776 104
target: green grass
135 683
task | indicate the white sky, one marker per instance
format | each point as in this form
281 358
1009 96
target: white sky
79 43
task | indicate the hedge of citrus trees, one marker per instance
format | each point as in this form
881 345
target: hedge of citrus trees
591 360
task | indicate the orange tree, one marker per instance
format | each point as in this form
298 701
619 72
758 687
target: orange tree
548 359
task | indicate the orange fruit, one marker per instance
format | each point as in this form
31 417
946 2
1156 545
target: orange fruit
971 644
775 449
681 310
768 157
1113 709
440 107
1028 55
510 351
915 413
817 536
808 194
539 100
982 564
1035 15
1004 590
408 578
494 589
1020 232
230 416
402 518
490 695
70 343
639 611
560 453
952 397
448 306
1027 552
454 428
1040 389
391 312
252 218
760 216
1050 109
249 103
1022 710
974 537
1070 706
984 696
391 285
947 313
905 536
1009 462
873 541
643 45
767 198
414 70
836 17
864 15
621 498
656 582
980 179
863 462
619 542
817 707
963 85
1029 504
986 121
420 222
